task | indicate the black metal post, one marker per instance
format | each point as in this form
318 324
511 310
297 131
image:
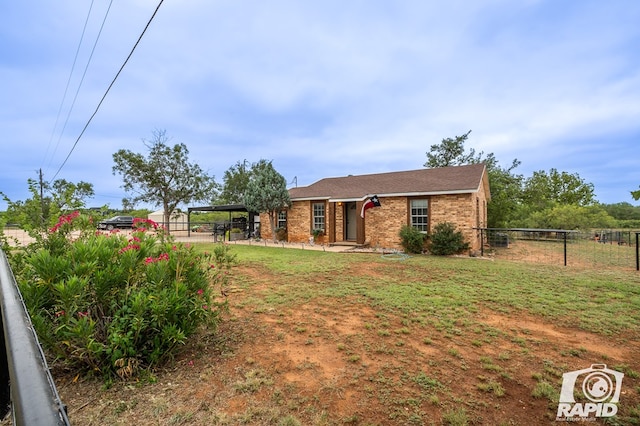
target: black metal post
637 252
482 242
565 248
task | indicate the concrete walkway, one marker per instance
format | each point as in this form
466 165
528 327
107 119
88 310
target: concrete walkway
300 246
198 237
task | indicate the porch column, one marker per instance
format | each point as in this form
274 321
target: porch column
360 228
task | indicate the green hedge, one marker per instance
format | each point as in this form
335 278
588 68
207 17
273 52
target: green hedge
116 304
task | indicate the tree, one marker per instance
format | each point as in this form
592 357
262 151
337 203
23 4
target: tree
506 196
636 194
165 178
234 183
505 185
542 190
623 211
48 202
513 198
68 196
267 192
451 152
571 216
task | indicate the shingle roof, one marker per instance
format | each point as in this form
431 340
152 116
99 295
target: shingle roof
455 179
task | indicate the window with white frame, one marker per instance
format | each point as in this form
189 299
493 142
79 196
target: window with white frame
318 216
419 214
282 220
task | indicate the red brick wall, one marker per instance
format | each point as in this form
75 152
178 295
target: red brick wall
298 222
382 224
457 209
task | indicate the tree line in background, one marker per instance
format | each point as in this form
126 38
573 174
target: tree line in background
165 177
545 200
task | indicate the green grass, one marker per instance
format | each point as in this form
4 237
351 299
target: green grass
252 381
448 290
491 386
545 390
457 417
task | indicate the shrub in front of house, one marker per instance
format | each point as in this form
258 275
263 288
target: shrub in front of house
411 239
115 304
445 240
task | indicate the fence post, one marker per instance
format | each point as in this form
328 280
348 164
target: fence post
481 242
637 253
565 248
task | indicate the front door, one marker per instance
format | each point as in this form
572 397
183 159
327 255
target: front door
350 217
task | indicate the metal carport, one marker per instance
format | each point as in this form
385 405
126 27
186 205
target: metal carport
231 208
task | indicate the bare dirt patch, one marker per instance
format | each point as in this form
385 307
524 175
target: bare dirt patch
340 361
568 337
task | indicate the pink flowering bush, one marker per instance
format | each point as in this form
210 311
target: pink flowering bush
113 303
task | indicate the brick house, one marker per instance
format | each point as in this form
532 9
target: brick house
422 198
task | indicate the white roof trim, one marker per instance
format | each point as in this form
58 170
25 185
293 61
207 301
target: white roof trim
417 194
311 199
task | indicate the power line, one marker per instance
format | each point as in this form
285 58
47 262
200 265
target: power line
109 88
82 79
64 96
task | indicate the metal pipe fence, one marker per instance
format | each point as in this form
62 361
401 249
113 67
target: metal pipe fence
27 390
596 248
223 230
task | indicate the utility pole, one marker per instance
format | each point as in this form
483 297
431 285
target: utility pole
41 199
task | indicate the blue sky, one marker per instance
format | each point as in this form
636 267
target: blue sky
323 89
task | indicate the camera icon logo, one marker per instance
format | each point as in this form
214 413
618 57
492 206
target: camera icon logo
599 385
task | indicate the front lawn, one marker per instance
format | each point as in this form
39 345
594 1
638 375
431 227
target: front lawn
319 338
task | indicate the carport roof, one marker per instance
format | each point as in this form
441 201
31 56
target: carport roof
220 208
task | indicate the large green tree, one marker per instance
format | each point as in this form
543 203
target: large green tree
165 177
267 192
234 183
544 190
48 201
636 194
